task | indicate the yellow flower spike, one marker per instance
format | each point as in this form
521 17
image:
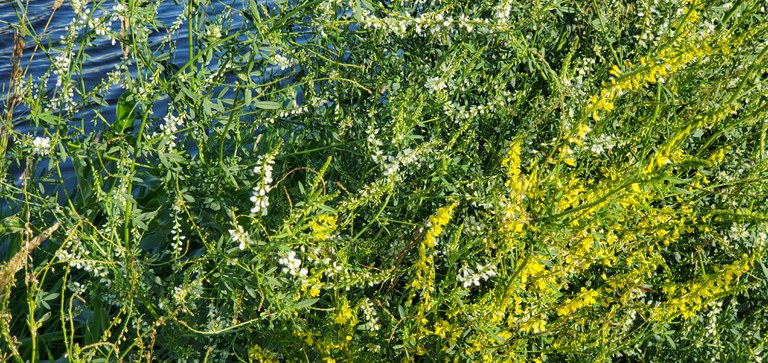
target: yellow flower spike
566 154
651 68
615 71
717 157
505 335
323 226
582 131
345 314
437 222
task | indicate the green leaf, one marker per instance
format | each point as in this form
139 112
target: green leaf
762 266
306 303
12 224
126 105
248 97
267 105
326 208
675 180
99 100
251 292
670 341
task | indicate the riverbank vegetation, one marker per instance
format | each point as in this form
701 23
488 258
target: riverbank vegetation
404 180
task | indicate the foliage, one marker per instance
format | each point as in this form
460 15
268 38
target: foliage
401 180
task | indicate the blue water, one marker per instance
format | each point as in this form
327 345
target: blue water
103 57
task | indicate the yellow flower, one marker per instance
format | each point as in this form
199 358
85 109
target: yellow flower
323 226
345 314
512 162
437 222
441 328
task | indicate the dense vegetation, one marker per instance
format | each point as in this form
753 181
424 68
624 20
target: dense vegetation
316 180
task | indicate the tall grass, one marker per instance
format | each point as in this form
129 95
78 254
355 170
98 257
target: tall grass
409 180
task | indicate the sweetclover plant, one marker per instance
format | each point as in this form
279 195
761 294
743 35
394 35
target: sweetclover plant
331 180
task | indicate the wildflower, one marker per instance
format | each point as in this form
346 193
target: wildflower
437 222
178 238
586 298
259 195
469 277
260 200
283 62
170 128
371 317
512 160
531 269
264 168
213 31
238 234
41 146
602 143
345 314
323 227
292 265
375 144
534 325
435 84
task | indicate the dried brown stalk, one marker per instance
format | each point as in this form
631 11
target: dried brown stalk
17 261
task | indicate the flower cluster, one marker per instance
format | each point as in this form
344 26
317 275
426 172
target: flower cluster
323 226
370 315
41 146
437 222
213 32
169 129
472 277
652 69
177 236
82 258
240 236
374 143
435 84
585 298
283 62
575 233
259 195
292 265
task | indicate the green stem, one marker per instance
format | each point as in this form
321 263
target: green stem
227 128
605 197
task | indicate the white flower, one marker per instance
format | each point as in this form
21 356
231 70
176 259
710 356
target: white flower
602 143
283 62
41 146
170 128
213 31
435 84
238 234
264 169
259 195
469 277
292 265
